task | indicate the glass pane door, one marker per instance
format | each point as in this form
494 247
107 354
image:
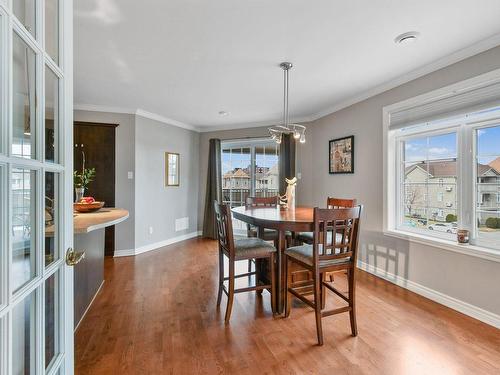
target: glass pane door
36 290
249 168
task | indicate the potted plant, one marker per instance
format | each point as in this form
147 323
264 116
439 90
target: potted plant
82 179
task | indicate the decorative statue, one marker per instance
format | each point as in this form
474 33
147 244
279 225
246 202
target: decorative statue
288 200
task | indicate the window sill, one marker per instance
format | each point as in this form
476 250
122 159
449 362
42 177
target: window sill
467 249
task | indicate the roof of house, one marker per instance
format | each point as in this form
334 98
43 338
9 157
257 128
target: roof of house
495 164
448 168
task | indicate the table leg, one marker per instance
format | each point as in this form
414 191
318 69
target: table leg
280 274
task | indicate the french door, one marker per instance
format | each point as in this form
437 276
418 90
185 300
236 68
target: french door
36 285
249 168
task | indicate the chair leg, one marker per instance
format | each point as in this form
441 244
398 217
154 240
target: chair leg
273 283
288 281
317 307
352 302
229 306
221 277
323 291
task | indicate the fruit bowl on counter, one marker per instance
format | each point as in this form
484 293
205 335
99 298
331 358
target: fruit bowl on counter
87 204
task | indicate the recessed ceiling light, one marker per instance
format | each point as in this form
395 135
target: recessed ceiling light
223 113
406 38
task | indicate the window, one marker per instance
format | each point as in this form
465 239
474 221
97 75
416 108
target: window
249 168
442 186
427 162
487 156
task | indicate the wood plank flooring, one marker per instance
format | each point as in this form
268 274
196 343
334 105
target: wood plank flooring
156 314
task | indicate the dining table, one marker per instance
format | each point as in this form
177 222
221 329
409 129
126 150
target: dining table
283 220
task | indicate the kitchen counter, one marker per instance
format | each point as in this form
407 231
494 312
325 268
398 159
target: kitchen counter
89 237
105 217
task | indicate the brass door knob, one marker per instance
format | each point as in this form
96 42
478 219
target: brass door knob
74 257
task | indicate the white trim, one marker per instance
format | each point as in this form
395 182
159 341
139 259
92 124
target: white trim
439 243
465 308
165 120
441 63
137 112
103 108
246 125
156 245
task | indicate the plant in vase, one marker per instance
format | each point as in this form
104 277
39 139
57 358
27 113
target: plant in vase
81 181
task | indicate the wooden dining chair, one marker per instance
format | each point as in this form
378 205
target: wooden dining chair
307 237
240 249
269 234
334 248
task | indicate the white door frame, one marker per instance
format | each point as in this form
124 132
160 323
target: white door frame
35 287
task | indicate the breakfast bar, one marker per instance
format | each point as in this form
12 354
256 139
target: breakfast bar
89 238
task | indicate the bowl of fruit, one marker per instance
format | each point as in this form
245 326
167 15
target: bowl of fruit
87 204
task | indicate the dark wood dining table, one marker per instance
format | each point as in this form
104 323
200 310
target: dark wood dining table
299 219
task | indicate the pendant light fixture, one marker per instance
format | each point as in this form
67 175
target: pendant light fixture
298 131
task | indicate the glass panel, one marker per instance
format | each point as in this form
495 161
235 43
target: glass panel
52 29
488 184
51 217
23 226
24 99
267 170
242 178
25 11
429 191
51 115
23 337
51 319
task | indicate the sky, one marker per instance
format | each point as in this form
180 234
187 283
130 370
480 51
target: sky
444 146
242 160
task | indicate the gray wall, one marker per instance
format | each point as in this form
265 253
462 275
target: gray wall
158 206
240 134
125 162
466 278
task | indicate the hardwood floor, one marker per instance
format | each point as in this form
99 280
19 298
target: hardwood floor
156 314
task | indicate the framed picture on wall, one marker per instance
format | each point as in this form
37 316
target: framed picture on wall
172 175
341 155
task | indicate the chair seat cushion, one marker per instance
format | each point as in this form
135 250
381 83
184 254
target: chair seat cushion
304 254
248 248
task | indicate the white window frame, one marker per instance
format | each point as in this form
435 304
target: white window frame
466 170
399 140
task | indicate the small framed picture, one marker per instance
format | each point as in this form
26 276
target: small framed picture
172 176
341 155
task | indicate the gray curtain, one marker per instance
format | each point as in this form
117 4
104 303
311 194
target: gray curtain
214 188
287 160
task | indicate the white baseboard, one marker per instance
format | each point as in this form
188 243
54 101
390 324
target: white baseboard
156 245
443 299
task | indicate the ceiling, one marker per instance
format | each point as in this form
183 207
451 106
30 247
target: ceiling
187 60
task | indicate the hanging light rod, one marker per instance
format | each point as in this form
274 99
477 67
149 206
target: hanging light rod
298 131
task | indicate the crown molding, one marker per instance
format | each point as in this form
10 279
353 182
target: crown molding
103 108
165 120
441 63
246 125
137 112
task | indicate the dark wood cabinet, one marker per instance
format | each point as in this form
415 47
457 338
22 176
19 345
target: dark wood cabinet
97 142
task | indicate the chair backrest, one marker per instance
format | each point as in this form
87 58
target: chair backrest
224 227
332 202
262 201
336 233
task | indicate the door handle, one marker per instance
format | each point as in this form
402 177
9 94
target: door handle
74 257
